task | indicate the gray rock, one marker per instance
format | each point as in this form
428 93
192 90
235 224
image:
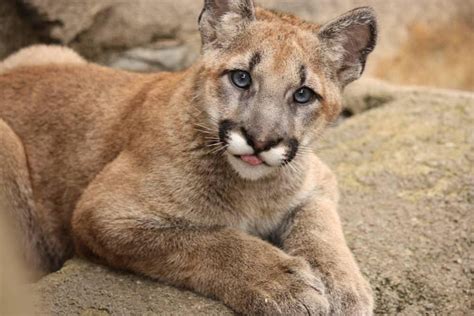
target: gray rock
101 30
82 288
151 59
368 93
15 31
405 170
406 178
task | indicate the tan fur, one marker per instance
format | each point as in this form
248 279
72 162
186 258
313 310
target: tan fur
41 55
14 297
127 167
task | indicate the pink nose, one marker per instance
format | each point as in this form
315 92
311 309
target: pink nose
259 145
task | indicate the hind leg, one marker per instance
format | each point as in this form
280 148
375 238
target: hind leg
17 206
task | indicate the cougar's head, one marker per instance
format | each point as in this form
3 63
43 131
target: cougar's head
269 83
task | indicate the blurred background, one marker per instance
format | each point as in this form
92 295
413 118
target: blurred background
422 42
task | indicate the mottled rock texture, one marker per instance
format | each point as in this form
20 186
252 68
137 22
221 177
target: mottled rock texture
406 177
82 288
405 170
424 42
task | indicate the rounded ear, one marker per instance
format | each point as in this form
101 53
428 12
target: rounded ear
222 20
348 40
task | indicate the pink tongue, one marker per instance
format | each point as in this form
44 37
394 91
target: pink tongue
252 160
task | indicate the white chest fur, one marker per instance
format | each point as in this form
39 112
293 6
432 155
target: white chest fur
262 214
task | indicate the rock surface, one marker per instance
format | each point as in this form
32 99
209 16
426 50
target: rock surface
429 43
406 177
15 31
82 288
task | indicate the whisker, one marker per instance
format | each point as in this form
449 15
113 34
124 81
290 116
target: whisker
223 152
213 142
216 150
214 145
209 128
290 167
204 132
203 127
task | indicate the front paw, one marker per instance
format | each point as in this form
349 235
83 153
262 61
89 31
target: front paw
286 288
351 298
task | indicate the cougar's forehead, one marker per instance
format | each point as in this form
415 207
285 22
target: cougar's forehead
284 48
281 58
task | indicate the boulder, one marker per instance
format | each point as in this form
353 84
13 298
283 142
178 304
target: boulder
428 44
405 170
82 288
15 30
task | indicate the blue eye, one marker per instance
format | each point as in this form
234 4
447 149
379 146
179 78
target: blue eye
304 95
241 79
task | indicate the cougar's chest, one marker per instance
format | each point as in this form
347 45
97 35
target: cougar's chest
262 211
265 210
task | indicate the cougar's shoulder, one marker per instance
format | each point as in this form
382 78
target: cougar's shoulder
41 55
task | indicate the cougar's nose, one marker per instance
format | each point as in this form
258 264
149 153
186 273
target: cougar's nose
257 144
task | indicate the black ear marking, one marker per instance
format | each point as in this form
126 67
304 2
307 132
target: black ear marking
221 20
349 40
200 15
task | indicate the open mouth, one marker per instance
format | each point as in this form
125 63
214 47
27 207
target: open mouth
252 160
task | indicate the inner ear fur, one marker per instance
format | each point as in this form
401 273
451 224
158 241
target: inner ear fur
222 20
348 40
